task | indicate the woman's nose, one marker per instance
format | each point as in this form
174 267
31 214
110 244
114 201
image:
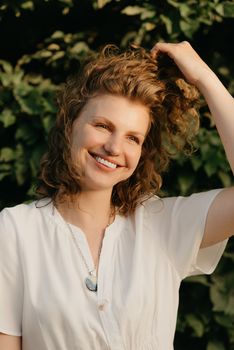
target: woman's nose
113 145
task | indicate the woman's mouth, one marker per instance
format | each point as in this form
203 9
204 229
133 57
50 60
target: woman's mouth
105 162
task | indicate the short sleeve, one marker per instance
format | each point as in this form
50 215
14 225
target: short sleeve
182 234
11 279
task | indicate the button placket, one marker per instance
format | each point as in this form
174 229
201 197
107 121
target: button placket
103 304
104 292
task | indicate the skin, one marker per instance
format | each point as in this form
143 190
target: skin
10 342
87 213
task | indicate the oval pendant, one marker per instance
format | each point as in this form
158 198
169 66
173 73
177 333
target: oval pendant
91 284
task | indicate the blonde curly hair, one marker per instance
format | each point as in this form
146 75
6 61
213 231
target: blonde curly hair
135 74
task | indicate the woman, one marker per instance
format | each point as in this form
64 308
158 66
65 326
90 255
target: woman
97 262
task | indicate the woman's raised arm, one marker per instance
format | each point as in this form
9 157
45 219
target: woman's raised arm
220 219
9 342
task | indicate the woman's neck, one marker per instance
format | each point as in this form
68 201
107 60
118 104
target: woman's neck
88 210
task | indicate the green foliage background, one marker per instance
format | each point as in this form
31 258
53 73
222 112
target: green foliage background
42 43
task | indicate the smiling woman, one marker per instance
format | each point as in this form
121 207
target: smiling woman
168 111
97 261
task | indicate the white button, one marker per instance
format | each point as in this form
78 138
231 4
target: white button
102 305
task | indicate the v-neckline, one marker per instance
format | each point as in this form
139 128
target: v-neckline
79 235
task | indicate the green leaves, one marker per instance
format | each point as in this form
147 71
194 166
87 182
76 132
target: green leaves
27 108
212 157
6 154
59 51
144 12
226 9
196 324
99 4
212 345
23 5
221 293
7 118
193 14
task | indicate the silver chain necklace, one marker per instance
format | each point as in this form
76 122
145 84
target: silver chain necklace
91 280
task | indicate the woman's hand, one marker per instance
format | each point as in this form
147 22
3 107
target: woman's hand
186 58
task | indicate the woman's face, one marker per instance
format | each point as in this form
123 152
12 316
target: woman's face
107 140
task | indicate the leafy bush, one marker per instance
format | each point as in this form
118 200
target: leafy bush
38 53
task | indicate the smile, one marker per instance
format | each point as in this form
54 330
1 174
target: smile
105 162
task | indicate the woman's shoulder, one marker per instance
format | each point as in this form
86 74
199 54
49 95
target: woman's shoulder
157 203
168 203
24 211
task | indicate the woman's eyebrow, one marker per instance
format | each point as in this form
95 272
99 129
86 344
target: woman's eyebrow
107 121
137 133
102 118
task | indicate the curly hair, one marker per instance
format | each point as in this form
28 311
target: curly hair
133 73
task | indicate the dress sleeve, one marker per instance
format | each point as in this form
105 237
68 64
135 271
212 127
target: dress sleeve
182 235
11 278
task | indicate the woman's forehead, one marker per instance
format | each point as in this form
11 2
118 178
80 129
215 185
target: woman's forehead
117 110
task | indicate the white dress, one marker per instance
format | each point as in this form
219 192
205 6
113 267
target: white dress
144 257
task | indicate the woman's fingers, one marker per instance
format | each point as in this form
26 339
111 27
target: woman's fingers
163 47
186 58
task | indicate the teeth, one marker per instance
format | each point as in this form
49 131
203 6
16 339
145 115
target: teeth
105 162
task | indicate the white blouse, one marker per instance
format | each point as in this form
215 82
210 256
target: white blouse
144 257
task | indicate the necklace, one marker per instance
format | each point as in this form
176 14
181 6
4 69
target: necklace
91 280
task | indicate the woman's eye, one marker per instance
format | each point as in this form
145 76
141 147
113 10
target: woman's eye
134 139
104 126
